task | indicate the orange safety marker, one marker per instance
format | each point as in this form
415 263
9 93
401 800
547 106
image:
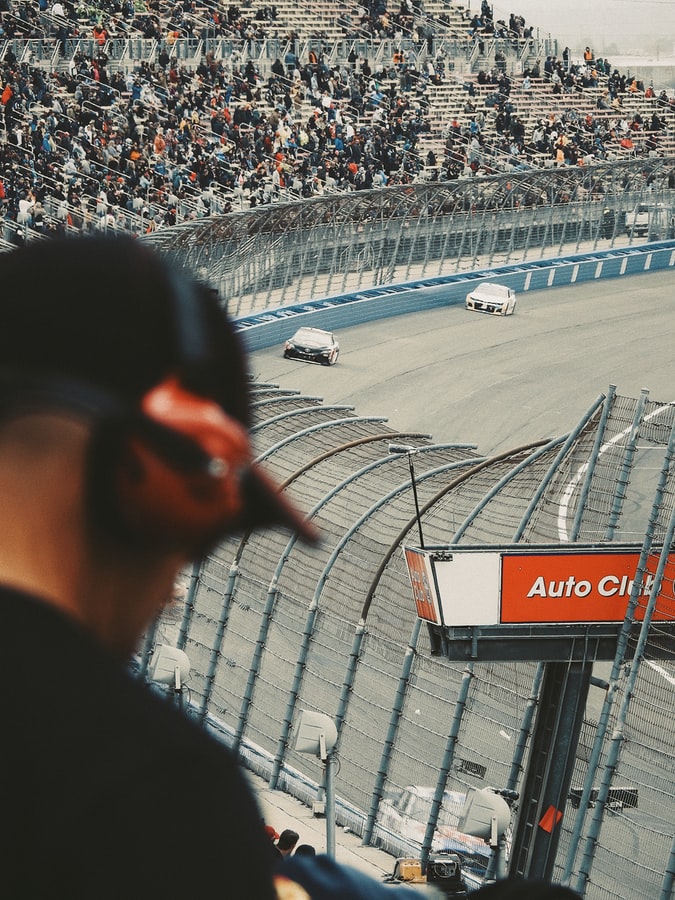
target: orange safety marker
550 819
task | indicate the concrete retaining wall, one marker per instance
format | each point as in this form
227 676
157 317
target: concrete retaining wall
345 310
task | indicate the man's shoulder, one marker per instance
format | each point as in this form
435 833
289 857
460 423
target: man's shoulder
92 759
73 689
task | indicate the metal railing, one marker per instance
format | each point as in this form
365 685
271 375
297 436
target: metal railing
286 252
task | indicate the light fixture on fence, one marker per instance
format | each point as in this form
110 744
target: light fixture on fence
170 666
487 815
318 735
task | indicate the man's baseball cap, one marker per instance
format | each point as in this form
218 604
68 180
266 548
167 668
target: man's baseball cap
103 321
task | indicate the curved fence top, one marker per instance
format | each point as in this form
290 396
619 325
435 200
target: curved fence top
292 252
328 628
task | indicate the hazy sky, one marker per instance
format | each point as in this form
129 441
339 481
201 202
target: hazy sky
611 27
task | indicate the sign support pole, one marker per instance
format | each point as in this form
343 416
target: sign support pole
549 772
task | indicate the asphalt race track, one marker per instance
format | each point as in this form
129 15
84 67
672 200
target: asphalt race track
470 378
466 377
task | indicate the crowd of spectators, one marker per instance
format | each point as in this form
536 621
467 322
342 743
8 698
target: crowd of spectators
577 131
168 144
90 148
159 20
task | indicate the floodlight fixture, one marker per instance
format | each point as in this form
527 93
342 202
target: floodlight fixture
316 734
485 815
403 449
169 665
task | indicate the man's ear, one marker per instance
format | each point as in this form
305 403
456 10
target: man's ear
171 477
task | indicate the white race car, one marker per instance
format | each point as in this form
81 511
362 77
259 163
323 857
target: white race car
495 299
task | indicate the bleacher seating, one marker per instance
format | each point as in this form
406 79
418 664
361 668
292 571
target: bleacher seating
123 116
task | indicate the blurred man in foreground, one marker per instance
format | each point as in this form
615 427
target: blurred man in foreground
124 454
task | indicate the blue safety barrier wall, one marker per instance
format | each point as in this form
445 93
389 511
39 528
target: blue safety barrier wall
344 310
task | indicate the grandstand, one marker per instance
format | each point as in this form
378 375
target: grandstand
290 152
120 117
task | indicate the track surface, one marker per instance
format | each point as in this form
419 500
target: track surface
500 382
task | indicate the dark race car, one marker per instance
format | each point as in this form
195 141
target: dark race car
313 345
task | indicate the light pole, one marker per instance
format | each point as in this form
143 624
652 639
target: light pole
317 734
407 450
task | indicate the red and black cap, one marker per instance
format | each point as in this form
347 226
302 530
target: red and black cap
104 324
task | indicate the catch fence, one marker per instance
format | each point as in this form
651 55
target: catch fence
273 627
289 252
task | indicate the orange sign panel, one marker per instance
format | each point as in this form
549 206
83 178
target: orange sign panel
421 580
579 587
